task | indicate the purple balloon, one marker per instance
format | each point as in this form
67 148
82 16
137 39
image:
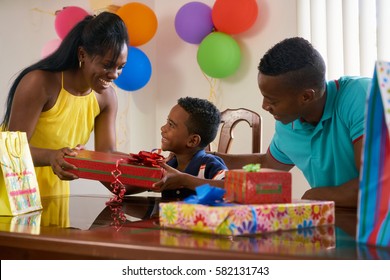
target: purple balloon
193 22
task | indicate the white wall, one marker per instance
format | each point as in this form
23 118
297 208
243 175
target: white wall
175 72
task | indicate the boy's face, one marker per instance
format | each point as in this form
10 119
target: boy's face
174 133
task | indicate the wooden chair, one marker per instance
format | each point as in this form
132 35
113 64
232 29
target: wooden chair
229 119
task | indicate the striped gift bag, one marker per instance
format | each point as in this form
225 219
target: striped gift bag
374 196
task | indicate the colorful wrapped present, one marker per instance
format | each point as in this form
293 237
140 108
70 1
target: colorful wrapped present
258 185
246 219
133 169
297 242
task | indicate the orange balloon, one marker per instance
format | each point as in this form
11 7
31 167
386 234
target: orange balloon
140 20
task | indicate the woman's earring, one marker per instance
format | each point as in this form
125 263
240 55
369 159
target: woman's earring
79 63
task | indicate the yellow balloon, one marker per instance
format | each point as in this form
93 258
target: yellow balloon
140 20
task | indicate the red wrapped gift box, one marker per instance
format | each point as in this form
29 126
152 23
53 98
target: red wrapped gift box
264 186
103 166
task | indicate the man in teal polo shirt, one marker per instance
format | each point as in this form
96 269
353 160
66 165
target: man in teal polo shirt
319 124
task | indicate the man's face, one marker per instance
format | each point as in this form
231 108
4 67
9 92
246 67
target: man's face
280 100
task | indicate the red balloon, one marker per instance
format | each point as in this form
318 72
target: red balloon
67 18
233 16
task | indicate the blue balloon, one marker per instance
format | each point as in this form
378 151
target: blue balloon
137 71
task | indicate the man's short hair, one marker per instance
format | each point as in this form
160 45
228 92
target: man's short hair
299 60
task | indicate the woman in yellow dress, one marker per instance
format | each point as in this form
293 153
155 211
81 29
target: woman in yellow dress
61 99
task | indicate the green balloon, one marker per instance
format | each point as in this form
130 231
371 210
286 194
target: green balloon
219 55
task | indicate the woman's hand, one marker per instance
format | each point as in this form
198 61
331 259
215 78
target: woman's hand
60 166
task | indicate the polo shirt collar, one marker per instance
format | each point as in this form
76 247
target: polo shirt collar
330 92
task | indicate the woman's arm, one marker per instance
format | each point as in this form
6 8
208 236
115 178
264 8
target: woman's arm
37 92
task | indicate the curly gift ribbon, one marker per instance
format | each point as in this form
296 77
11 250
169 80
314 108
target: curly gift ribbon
114 203
144 158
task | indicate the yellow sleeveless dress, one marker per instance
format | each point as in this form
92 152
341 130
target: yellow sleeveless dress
68 123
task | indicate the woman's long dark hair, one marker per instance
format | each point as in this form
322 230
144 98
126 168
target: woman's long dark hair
96 34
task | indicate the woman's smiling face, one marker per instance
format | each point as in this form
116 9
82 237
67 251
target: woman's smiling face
101 71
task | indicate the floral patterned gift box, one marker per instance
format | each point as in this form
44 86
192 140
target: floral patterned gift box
246 219
301 241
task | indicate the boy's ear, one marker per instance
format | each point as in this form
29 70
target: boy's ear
193 140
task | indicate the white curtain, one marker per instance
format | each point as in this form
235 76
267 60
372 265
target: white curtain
350 34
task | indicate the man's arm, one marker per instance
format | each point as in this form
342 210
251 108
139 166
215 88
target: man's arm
174 179
345 195
237 161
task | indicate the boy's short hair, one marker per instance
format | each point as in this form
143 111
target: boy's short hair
204 118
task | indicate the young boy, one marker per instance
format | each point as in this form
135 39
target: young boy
192 124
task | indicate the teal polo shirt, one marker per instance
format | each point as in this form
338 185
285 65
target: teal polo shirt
324 153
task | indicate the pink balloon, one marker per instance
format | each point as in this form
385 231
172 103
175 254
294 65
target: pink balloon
50 47
67 18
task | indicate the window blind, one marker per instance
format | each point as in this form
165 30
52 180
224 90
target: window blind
350 34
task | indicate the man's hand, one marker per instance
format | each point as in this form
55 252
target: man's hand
345 195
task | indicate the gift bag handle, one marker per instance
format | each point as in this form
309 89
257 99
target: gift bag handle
16 152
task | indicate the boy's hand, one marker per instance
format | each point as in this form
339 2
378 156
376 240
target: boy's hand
171 178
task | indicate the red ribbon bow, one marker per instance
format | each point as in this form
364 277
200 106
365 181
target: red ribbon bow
150 159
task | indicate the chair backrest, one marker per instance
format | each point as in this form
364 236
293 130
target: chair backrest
229 119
